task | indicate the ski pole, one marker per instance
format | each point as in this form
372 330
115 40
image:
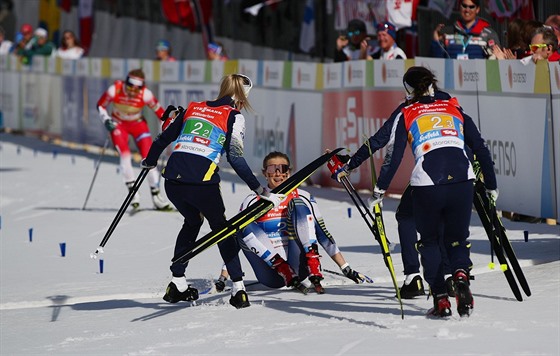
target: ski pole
121 211
97 164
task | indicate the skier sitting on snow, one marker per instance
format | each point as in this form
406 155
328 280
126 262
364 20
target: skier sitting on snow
285 239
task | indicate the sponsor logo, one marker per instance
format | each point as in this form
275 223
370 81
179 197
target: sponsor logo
426 147
203 109
504 156
449 132
428 135
384 73
201 140
465 76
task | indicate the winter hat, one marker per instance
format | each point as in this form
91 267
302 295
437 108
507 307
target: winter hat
389 27
163 45
26 28
41 32
356 25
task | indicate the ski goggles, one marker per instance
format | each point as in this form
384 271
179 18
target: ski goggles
134 83
272 168
536 47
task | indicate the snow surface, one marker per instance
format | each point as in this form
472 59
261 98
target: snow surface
51 304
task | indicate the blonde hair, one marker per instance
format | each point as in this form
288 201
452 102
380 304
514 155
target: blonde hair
234 85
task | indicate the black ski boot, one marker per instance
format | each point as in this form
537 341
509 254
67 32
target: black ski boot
240 300
220 284
463 294
450 287
414 289
172 294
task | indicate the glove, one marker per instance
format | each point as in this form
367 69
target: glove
340 173
167 112
144 164
376 197
110 125
492 195
353 275
274 198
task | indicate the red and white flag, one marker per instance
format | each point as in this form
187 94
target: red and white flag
85 13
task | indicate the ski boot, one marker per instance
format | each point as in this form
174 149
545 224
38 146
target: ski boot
240 300
463 294
450 285
414 287
442 306
135 202
173 295
314 267
239 297
285 271
160 202
221 284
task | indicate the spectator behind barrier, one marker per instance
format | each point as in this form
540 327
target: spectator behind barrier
544 45
216 51
516 48
5 45
470 37
354 44
163 51
23 40
554 22
40 46
70 46
387 39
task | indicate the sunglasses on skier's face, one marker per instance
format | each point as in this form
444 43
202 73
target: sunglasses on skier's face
272 168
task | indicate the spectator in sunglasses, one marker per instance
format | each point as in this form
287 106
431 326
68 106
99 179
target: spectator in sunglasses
354 44
470 37
544 45
128 99
282 246
387 39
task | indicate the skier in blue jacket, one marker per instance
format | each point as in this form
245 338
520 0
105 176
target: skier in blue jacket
442 182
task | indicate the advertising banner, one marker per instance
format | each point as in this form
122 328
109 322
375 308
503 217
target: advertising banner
349 119
519 148
283 122
10 109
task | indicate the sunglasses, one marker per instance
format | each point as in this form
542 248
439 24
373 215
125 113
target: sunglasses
353 33
465 6
272 168
535 47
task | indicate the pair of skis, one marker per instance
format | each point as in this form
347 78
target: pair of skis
374 221
233 225
499 241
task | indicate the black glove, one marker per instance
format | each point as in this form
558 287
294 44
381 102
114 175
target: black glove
144 164
353 275
110 125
